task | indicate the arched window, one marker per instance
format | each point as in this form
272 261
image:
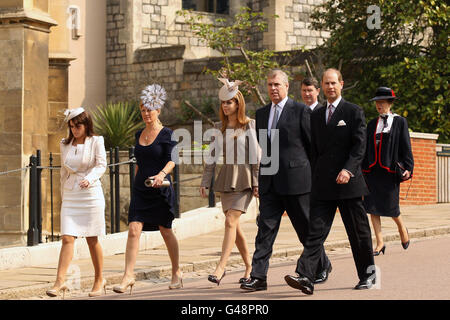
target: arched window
213 6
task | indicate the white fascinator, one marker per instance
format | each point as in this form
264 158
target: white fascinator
229 89
153 97
72 113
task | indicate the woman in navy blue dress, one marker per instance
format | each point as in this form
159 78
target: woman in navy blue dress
388 153
151 208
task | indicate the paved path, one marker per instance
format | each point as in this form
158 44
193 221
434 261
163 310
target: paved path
421 272
200 254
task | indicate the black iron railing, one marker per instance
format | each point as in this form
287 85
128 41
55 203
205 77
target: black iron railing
34 233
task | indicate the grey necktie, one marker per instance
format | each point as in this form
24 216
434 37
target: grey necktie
274 120
330 112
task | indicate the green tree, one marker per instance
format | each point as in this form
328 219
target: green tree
409 52
231 40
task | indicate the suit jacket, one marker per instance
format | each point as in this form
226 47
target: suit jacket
392 148
334 148
294 172
92 167
318 106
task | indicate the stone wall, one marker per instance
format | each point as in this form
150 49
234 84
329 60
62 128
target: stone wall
147 42
302 35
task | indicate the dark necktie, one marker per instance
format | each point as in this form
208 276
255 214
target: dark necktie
385 118
330 112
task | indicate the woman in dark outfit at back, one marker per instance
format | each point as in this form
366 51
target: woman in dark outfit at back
387 163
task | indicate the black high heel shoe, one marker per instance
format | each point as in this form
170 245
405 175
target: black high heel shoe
405 245
213 278
377 253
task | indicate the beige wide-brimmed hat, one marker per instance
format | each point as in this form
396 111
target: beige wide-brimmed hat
229 89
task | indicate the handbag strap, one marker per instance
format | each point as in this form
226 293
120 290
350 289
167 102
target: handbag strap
407 191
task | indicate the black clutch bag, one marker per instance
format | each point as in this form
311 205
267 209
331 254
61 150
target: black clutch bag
400 171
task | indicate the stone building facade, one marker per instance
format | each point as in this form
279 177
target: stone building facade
122 46
148 42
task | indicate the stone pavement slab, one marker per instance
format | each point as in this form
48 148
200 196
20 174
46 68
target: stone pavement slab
202 252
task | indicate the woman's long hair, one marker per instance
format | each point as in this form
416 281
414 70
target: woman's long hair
82 118
241 116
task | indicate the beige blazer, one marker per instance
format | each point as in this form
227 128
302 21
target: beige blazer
93 164
234 176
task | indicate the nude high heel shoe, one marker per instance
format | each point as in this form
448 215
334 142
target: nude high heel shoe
55 292
178 284
121 289
98 292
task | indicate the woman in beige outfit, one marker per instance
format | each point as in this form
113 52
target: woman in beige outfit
237 180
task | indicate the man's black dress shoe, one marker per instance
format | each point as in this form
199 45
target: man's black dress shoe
254 284
300 283
321 277
244 280
365 284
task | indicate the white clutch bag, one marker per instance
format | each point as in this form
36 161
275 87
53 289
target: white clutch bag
149 182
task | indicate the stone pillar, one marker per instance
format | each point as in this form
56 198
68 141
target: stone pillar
24 34
275 38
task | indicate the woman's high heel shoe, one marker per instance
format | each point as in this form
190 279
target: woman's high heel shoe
177 285
377 253
122 288
55 292
405 245
213 278
99 291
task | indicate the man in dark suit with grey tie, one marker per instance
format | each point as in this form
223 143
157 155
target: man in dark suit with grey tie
286 143
338 144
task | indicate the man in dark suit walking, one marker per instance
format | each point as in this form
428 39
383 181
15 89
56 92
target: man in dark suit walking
338 143
288 188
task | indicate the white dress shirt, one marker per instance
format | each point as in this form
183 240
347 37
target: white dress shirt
314 105
390 120
272 112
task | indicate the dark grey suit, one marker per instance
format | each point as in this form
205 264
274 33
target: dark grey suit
289 188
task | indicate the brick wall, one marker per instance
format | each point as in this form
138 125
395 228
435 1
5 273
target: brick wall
423 187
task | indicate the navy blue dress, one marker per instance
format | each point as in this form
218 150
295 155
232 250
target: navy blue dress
152 206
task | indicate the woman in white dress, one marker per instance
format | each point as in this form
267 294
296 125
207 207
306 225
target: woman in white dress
83 162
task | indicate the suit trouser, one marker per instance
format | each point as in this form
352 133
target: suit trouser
358 231
272 207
